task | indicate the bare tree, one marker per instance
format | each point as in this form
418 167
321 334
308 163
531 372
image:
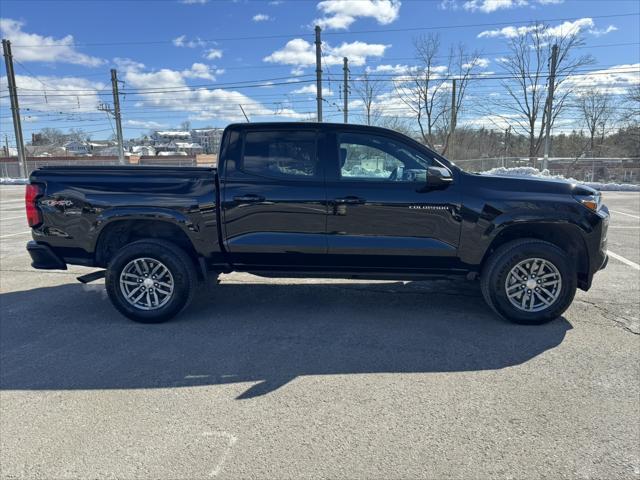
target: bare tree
426 88
631 113
367 90
527 67
596 110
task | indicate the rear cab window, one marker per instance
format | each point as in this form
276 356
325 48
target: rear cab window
280 154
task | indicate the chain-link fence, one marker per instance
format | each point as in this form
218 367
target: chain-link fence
10 168
617 170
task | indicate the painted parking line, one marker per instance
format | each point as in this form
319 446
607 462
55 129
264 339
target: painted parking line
5 202
15 234
24 216
626 261
627 214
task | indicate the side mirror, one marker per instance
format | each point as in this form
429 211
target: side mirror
438 177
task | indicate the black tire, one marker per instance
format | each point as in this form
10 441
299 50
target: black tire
506 257
178 263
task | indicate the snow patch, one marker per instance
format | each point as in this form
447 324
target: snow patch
13 181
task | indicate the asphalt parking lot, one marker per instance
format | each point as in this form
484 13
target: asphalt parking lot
317 378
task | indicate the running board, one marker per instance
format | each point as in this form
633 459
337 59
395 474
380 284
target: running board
92 277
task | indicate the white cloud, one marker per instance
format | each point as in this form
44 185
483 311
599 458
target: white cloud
198 103
261 17
480 62
213 53
194 2
448 5
31 47
615 80
571 28
488 6
598 33
199 70
300 53
393 69
52 93
586 25
340 14
295 52
499 122
144 124
312 90
182 41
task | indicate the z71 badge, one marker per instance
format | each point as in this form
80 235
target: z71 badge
57 203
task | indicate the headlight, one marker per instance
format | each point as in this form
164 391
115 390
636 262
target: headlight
592 202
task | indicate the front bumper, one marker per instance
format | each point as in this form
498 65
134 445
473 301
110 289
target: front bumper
44 258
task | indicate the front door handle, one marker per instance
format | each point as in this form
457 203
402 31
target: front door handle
350 200
249 198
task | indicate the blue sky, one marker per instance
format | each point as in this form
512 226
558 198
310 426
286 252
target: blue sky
66 48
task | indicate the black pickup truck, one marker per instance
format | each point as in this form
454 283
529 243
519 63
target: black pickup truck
318 200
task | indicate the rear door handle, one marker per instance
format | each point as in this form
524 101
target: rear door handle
249 198
350 200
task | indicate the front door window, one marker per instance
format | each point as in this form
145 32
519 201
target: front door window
376 158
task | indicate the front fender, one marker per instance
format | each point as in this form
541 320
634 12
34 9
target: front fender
481 231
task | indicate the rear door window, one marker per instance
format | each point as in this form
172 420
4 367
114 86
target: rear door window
281 154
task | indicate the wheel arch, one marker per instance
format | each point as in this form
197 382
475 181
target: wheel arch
119 233
565 236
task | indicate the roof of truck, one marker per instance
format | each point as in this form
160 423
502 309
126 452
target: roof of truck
306 125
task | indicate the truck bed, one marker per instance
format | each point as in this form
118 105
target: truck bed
88 209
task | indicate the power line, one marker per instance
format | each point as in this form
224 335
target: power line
353 32
380 77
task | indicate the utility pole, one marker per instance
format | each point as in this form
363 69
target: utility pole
116 114
507 135
15 107
319 73
345 88
552 81
454 115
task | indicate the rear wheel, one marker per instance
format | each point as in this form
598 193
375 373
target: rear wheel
150 281
529 281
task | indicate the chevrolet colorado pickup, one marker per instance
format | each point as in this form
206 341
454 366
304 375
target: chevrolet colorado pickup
317 200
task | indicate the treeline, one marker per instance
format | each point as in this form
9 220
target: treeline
485 143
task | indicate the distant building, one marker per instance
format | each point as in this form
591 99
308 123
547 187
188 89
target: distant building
167 136
44 151
209 138
77 147
143 150
103 147
188 148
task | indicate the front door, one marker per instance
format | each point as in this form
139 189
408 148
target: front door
381 214
274 200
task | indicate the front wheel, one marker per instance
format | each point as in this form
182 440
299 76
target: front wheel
150 281
529 281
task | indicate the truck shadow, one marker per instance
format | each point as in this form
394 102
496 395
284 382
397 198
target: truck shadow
69 336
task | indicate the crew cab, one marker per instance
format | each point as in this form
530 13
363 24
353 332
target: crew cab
317 200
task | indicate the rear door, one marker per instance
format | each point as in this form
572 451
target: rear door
382 215
273 198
